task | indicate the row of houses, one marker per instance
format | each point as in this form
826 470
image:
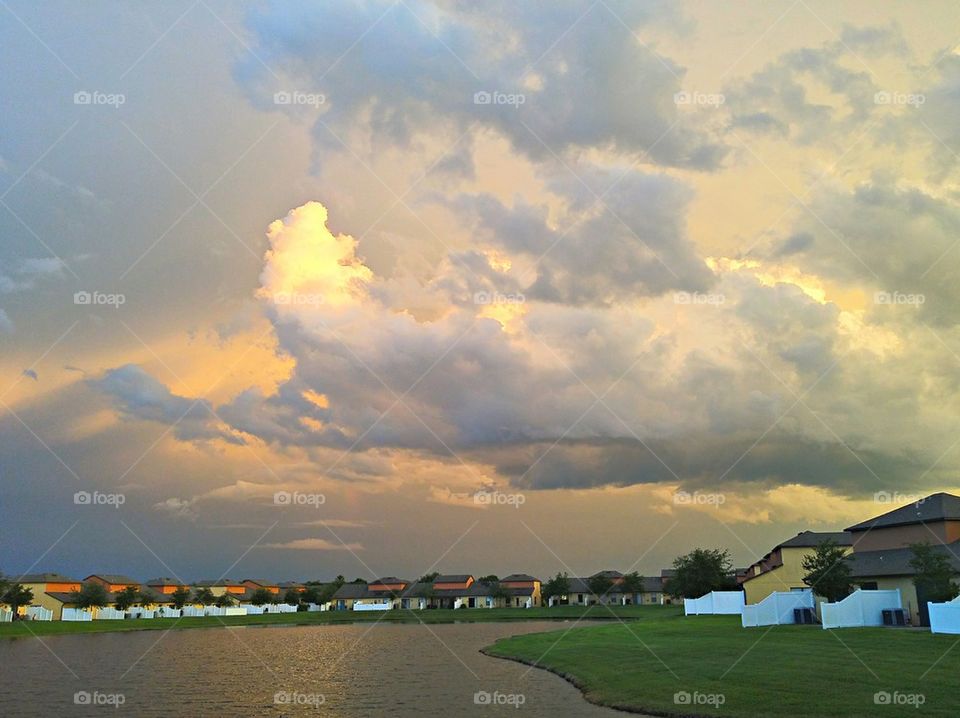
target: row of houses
518 590
878 549
56 594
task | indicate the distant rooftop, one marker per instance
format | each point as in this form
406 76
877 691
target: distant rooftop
934 508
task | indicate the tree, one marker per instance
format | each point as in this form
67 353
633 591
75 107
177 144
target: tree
224 600
701 571
500 593
557 586
934 573
599 585
204 596
326 593
90 595
487 580
429 577
261 597
828 571
180 597
292 597
127 598
632 584
312 594
15 596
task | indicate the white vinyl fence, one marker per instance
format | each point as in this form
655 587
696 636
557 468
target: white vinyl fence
167 612
860 608
728 603
193 611
141 613
373 606
39 613
76 614
252 610
945 617
109 614
776 609
5 615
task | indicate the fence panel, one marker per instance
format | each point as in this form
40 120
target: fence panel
729 603
39 613
776 609
76 614
945 617
860 608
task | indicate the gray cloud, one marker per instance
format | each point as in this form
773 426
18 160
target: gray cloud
139 395
586 79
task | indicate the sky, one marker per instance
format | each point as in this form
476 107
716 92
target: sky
298 289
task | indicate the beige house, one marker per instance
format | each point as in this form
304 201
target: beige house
882 556
781 569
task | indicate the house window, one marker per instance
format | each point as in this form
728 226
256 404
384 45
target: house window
579 598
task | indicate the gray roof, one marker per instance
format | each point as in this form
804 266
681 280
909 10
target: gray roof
262 582
810 539
518 577
164 581
355 590
112 578
609 573
896 562
934 508
218 582
420 589
453 578
43 578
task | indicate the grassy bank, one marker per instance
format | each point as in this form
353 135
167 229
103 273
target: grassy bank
782 671
50 628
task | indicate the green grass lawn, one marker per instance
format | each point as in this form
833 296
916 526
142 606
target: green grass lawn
49 628
778 671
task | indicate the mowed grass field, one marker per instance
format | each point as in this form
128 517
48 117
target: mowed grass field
27 629
774 671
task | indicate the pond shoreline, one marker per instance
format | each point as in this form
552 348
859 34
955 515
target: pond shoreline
36 629
582 687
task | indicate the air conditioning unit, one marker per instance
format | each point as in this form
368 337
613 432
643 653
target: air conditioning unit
894 617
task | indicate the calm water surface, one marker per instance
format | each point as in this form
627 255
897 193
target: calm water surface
355 670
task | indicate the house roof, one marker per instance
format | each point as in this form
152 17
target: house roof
453 578
518 577
649 584
420 589
810 539
389 580
608 573
112 578
261 582
936 507
290 584
43 578
218 582
355 590
164 581
896 562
